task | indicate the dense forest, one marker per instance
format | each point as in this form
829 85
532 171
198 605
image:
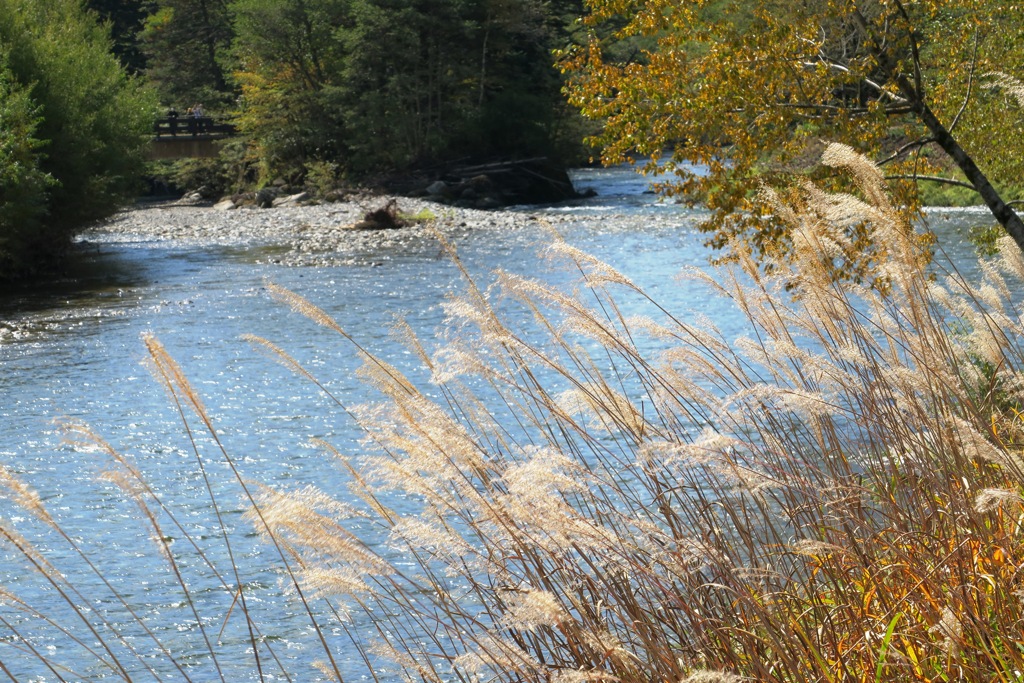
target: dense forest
336 90
364 86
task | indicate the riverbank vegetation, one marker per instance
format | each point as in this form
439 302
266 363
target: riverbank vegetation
585 496
367 89
72 129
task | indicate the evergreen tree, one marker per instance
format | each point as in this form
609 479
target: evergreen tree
125 19
406 95
185 43
23 184
517 82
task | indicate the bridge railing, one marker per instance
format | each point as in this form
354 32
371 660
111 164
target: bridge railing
202 126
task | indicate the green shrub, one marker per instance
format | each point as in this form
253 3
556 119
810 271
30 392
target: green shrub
93 122
23 184
943 194
985 238
207 176
229 172
322 177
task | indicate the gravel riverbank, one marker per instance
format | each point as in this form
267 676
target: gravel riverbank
304 235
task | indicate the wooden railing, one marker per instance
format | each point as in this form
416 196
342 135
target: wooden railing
190 126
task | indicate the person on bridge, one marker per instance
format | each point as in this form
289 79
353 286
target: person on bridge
172 121
199 116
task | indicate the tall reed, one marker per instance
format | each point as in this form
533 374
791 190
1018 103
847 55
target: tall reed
836 496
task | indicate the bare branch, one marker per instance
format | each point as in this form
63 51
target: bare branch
882 92
933 178
970 84
918 85
846 70
822 107
916 144
889 111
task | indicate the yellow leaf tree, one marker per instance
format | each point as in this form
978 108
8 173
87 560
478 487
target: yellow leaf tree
751 91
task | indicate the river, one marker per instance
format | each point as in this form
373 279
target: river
73 350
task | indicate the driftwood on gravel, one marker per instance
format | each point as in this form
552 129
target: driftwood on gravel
385 217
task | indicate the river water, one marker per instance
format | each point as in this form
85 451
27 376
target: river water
73 351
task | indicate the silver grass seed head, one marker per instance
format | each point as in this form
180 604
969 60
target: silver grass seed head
868 176
809 547
950 629
580 676
1013 87
599 271
975 445
433 539
411 669
532 609
16 490
987 343
702 451
492 652
711 677
991 500
1011 256
331 582
994 280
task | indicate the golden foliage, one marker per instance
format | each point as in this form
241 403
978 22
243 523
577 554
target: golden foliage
723 97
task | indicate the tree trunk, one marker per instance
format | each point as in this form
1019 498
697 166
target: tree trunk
1002 211
914 94
209 37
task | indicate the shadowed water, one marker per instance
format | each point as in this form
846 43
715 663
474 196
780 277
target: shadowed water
73 350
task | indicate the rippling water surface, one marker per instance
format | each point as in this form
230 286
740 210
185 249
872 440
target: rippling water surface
73 351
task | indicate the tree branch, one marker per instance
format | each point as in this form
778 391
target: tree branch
921 142
882 92
915 54
933 178
970 84
889 111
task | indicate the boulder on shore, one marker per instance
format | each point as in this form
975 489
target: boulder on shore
494 185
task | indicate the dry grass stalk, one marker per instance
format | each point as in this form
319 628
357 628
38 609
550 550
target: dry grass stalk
837 497
746 515
1013 87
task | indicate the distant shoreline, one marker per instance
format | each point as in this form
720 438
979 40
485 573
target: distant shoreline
308 234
